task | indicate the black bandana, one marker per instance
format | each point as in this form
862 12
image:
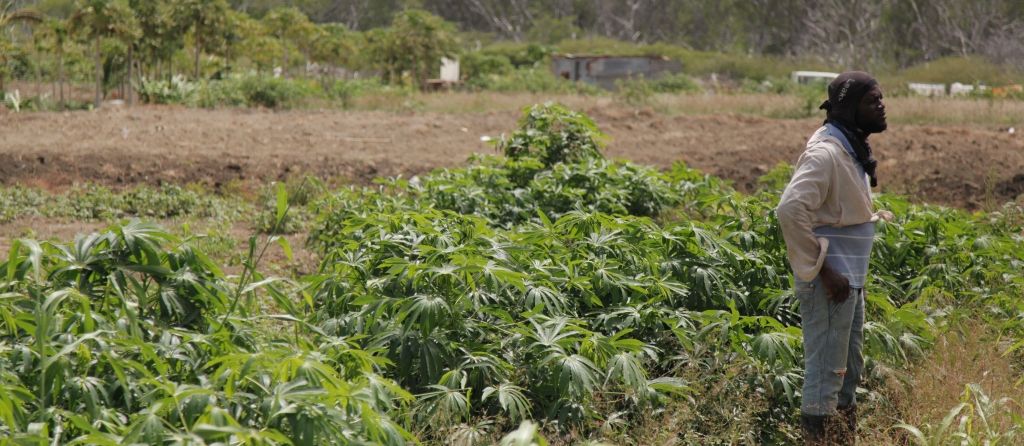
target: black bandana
844 96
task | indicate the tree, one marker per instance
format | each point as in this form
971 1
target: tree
236 27
510 18
423 39
56 37
207 18
335 45
105 18
289 26
8 48
161 32
382 52
845 32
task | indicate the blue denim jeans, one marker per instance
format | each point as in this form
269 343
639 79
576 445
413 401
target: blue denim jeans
833 344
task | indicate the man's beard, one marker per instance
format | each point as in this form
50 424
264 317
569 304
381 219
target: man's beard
872 126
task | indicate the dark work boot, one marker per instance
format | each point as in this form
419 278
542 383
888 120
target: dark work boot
848 421
814 427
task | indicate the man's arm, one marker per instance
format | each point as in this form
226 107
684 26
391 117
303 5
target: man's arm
805 193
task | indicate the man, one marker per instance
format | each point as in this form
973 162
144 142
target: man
827 219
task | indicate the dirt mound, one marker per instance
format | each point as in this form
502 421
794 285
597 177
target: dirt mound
963 166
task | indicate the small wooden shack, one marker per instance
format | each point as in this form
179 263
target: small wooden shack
604 70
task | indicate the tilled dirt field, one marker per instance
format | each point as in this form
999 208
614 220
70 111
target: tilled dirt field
965 166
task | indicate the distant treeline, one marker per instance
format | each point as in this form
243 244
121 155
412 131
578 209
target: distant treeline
119 43
862 34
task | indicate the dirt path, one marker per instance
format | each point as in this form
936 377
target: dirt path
958 165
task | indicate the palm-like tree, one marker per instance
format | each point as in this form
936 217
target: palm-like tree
7 17
289 25
56 37
207 17
105 18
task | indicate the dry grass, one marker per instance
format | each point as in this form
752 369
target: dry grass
923 110
902 110
463 102
971 355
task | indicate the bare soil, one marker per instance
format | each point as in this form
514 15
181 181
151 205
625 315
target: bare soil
968 166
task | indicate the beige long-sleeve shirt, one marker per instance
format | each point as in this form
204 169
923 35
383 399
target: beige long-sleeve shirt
826 189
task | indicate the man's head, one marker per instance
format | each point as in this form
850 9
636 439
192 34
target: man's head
871 111
855 100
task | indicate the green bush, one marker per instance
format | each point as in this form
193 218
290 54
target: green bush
133 336
520 55
176 91
553 134
246 89
634 92
90 202
674 84
477 64
347 90
271 92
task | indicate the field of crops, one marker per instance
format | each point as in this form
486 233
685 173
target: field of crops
549 295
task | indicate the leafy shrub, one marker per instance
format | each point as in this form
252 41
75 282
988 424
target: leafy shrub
509 192
674 84
131 336
552 133
271 92
246 89
176 91
634 92
269 218
521 55
476 64
349 89
91 202
223 92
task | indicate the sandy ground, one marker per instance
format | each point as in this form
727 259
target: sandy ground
965 166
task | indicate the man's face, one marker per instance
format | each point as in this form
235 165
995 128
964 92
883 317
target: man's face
871 112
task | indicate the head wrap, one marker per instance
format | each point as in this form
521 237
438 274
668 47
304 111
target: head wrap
844 96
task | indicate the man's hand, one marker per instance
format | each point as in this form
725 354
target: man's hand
837 285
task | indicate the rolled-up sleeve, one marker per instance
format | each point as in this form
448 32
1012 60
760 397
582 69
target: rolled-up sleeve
805 193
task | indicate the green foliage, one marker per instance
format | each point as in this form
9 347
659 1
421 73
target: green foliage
478 65
248 89
346 91
177 91
674 84
416 41
585 294
271 92
634 93
553 134
90 202
131 336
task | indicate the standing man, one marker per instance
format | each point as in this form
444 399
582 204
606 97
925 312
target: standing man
827 219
